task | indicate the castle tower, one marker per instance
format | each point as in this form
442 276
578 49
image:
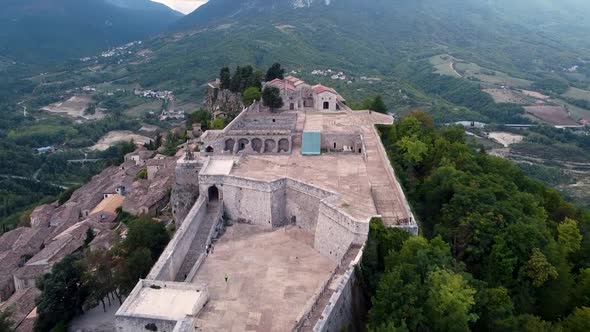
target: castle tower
186 186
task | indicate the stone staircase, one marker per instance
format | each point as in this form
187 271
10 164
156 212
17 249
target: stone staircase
200 240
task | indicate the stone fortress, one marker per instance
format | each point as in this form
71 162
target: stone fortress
296 189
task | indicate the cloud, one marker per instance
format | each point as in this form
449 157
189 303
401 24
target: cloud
183 6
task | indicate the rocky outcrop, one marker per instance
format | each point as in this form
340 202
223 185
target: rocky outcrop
223 103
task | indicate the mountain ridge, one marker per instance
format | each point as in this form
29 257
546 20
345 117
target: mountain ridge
44 31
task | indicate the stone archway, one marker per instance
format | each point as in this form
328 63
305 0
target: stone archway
269 145
257 144
283 145
209 149
229 145
242 142
213 194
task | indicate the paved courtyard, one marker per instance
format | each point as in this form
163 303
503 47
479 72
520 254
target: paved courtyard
272 276
363 181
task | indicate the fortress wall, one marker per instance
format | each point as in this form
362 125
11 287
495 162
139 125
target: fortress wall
251 205
278 199
173 256
266 121
336 231
302 201
245 199
341 139
346 306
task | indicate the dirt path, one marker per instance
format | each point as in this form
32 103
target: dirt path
452 65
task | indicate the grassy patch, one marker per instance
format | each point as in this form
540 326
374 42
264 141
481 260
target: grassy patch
576 93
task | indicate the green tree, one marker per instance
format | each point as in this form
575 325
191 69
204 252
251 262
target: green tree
450 300
271 97
582 294
89 236
146 233
578 321
497 310
413 149
236 84
250 95
6 320
378 105
63 294
218 123
530 323
98 277
539 269
202 117
142 174
275 71
225 78
90 109
136 266
569 237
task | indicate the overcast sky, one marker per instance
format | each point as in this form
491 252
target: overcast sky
183 6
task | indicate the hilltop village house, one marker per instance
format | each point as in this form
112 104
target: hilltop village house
299 188
57 231
298 95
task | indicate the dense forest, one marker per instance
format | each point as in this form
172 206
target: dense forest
498 251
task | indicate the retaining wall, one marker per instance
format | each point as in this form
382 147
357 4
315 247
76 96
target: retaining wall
173 256
345 308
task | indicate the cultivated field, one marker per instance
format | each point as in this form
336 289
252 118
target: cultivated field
75 107
576 93
116 136
556 115
505 139
444 65
535 94
470 69
576 113
508 96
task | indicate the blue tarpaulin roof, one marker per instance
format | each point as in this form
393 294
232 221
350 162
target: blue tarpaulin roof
311 143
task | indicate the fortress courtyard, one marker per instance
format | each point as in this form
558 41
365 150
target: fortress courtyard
271 278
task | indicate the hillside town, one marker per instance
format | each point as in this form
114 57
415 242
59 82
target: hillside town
57 230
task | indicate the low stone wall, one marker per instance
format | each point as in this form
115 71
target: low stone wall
173 256
137 323
127 321
412 225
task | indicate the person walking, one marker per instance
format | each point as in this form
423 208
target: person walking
226 278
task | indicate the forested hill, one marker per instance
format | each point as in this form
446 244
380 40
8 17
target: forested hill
498 251
511 34
52 31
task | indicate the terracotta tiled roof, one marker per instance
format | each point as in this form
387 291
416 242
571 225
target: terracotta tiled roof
283 85
109 204
22 302
320 89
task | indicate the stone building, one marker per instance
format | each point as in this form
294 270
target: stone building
300 205
298 95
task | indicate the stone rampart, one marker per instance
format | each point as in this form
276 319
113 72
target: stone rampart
341 311
411 225
173 256
336 231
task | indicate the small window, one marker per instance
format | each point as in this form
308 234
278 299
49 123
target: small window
273 120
